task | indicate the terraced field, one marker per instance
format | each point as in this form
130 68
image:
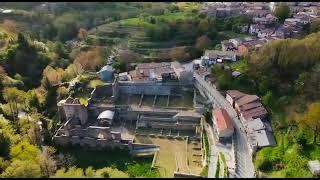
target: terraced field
128 33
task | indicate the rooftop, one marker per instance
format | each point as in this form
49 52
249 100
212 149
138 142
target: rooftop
222 118
247 99
107 114
235 94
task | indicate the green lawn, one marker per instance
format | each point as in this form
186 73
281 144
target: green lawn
241 66
120 159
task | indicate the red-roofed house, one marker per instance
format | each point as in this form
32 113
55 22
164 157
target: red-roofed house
222 123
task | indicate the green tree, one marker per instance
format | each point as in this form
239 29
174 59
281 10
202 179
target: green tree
315 25
178 54
203 42
8 137
22 169
24 151
310 119
267 99
282 11
13 96
72 172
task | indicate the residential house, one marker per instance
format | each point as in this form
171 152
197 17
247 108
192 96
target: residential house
265 32
256 28
220 56
281 32
252 111
233 95
228 46
249 46
152 72
181 72
245 100
257 12
293 21
258 135
222 123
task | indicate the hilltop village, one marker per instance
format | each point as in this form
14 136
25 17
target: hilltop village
159 89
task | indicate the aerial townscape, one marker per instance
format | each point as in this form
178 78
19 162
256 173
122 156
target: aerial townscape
159 89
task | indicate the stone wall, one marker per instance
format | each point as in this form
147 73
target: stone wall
77 111
88 142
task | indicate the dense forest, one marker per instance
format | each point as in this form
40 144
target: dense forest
37 62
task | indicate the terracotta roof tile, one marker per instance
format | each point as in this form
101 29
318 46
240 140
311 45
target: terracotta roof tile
222 118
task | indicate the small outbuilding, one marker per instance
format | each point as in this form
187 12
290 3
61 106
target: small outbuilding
106 73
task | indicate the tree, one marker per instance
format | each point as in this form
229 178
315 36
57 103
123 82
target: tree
90 60
178 54
73 70
10 26
310 119
120 66
13 96
315 25
22 169
202 42
8 137
54 76
24 151
282 11
47 163
32 129
204 25
72 172
82 34
109 172
267 99
128 56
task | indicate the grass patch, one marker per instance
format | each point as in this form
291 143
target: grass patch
218 168
96 82
205 143
241 66
120 159
224 164
204 172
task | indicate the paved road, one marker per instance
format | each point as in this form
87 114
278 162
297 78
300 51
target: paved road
244 164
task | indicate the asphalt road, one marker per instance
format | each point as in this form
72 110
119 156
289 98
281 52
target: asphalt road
243 157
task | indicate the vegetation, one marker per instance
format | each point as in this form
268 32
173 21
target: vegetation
224 165
282 11
218 168
204 172
48 51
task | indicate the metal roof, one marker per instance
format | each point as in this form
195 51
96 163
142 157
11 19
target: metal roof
107 114
106 68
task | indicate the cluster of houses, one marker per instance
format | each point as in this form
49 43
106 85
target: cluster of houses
253 117
264 23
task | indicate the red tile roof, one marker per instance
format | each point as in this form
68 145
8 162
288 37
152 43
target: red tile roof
222 118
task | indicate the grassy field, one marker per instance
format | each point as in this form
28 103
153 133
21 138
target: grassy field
119 159
172 156
241 66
